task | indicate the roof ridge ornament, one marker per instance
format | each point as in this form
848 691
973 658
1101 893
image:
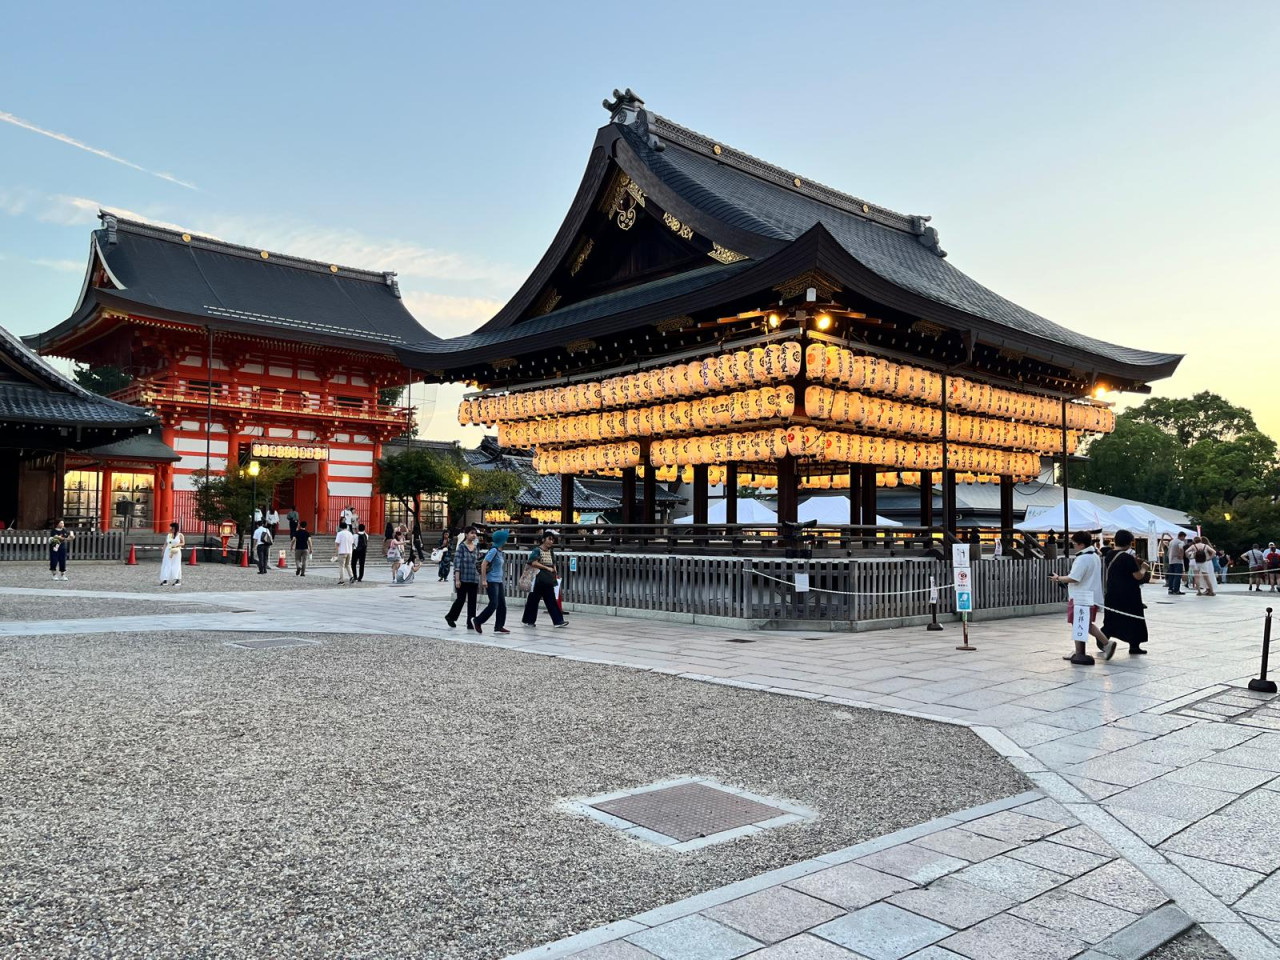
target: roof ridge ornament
627 109
928 236
109 222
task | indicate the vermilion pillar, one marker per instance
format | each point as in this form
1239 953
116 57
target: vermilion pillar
378 503
104 500
322 497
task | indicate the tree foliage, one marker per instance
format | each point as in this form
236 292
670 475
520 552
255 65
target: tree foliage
102 380
229 495
408 475
1199 454
488 490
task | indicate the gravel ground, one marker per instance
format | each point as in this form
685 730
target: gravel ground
390 797
73 608
1195 944
145 578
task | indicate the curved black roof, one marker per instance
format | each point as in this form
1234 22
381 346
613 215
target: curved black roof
764 213
156 271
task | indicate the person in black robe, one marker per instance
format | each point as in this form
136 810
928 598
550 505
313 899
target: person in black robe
1124 619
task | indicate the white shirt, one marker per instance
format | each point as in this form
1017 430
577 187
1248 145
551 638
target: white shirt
1086 570
343 541
273 517
1177 550
258 534
1254 558
257 515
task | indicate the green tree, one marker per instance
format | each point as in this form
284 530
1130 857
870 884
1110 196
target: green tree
229 495
1253 520
486 490
1139 461
103 380
1206 416
408 475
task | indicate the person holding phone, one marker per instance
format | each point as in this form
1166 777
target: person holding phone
1085 576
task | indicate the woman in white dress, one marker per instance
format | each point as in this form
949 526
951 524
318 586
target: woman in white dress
171 562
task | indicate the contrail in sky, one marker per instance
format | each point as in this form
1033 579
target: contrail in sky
63 138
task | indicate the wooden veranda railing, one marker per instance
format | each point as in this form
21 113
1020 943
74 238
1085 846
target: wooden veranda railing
87 545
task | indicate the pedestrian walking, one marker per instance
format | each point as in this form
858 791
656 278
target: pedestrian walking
359 552
395 552
300 544
273 521
343 544
389 531
1126 573
1271 562
1222 563
1174 561
1051 546
258 516
1085 576
293 520
466 580
262 541
543 590
491 568
446 556
59 537
171 559
1256 561
1200 563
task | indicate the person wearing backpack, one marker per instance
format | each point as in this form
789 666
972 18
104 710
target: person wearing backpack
491 569
1200 556
1271 561
359 553
543 588
262 541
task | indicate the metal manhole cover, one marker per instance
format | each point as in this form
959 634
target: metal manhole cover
691 813
272 643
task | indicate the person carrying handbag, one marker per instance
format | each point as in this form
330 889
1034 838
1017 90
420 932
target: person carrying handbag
543 589
466 581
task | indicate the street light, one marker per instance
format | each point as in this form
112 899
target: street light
465 480
1226 517
254 468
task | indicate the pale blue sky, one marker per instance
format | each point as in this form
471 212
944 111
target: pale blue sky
1109 165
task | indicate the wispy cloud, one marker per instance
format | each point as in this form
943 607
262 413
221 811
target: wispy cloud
63 266
96 151
447 316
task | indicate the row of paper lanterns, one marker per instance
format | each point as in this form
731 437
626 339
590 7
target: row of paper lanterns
841 481
890 416
705 413
593 459
839 365
756 367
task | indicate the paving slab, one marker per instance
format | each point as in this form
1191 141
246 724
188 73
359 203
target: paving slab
1125 773
1167 798
915 864
953 902
850 885
1150 827
1120 884
883 932
1011 878
774 914
964 844
1225 882
1058 857
1007 937
1219 776
617 950
805 947
1013 827
694 938
1076 916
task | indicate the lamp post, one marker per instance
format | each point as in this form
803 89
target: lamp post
254 469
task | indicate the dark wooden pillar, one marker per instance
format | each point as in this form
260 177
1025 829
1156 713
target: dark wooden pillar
628 495
949 501
869 496
926 498
788 490
1006 513
731 493
649 512
700 493
855 495
566 498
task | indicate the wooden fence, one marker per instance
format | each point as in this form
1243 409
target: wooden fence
87 545
765 588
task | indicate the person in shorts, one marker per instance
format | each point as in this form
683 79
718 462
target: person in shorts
1256 561
300 544
1085 576
1271 559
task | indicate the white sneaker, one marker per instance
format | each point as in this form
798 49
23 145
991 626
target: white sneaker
55 576
64 576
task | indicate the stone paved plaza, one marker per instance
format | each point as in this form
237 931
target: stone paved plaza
1151 798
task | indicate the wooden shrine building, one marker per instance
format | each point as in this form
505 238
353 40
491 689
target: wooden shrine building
49 422
704 314
241 353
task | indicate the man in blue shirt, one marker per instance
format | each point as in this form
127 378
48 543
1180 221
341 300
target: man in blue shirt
491 567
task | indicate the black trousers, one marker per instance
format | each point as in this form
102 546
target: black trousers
58 561
466 593
357 563
262 557
544 593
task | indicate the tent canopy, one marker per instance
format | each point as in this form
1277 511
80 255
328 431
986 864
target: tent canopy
1138 521
1081 515
749 511
833 511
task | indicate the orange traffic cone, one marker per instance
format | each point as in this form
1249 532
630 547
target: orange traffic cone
192 562
133 556
282 564
244 557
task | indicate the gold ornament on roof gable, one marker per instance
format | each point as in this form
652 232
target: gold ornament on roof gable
547 303
724 254
819 281
684 231
584 345
584 251
674 324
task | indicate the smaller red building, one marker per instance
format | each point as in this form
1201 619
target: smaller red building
240 353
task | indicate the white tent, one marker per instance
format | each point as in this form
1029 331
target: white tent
1081 515
749 511
833 511
1138 520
